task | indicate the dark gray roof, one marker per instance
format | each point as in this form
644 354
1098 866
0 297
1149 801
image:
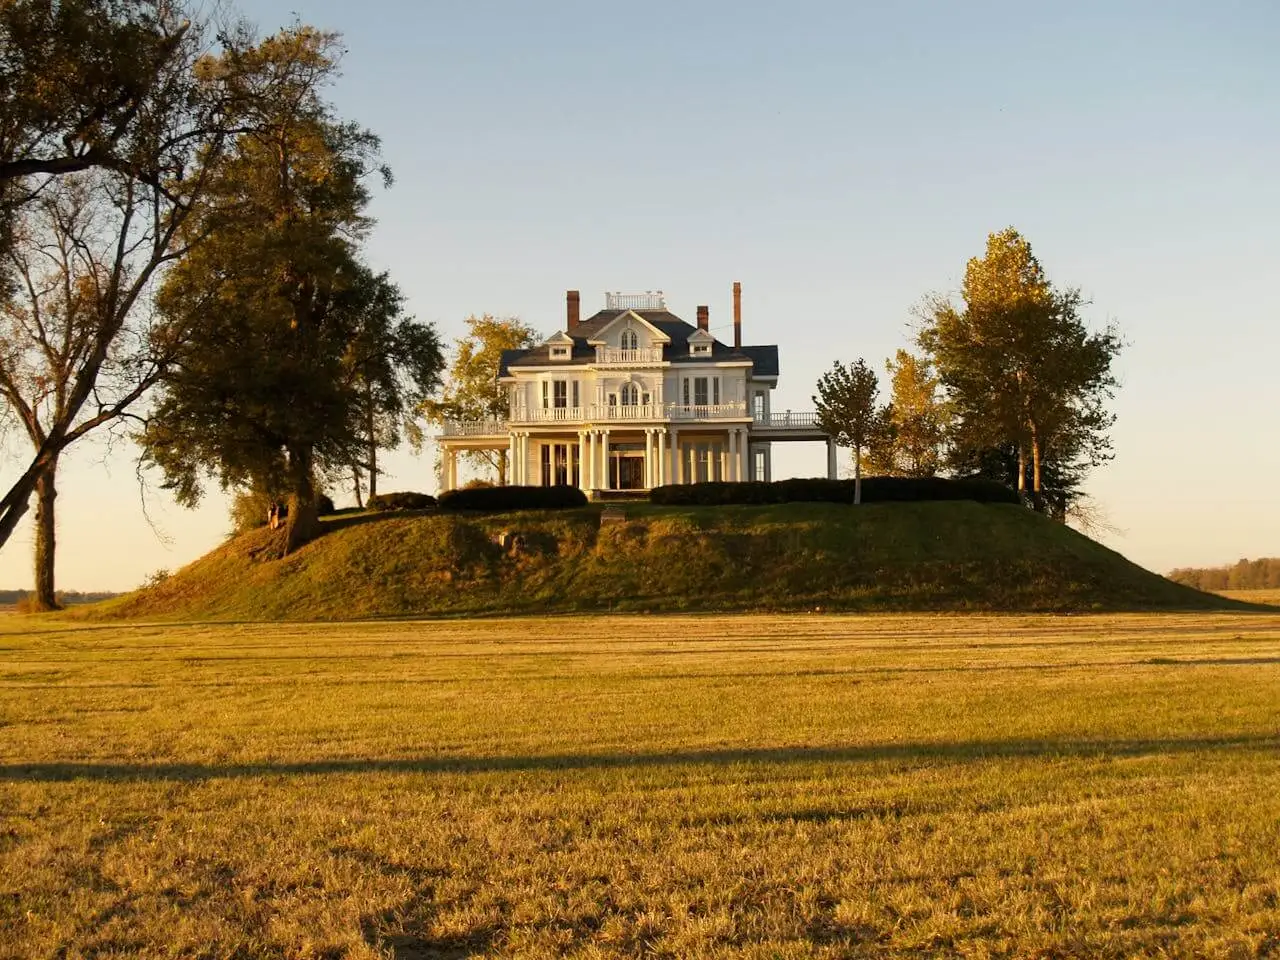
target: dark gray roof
764 358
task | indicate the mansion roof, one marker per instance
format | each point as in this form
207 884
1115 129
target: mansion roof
763 358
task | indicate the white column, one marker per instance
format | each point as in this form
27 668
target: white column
832 467
582 461
733 455
650 459
676 462
442 471
744 453
660 439
606 478
453 470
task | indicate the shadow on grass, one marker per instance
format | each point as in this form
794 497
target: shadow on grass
964 752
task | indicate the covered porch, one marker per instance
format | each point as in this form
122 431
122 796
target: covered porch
631 458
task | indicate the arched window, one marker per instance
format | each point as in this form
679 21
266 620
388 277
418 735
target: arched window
630 394
629 340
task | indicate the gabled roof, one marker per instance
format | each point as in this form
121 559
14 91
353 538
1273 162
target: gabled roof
599 336
763 358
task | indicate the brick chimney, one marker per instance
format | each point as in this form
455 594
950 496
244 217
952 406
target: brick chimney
737 315
571 308
704 318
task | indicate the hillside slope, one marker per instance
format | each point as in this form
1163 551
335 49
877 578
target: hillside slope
897 556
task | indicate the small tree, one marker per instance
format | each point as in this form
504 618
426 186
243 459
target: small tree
472 391
1019 366
916 421
846 407
395 363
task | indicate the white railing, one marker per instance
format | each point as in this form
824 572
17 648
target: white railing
612 355
550 415
607 413
706 411
474 428
789 419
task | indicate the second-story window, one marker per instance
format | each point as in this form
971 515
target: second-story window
699 391
715 390
560 392
630 395
629 340
575 394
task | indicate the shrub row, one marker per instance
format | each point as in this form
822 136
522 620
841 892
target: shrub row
821 490
405 500
500 499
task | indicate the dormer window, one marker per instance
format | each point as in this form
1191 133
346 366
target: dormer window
629 340
559 352
701 349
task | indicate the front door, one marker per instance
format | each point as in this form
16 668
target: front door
627 472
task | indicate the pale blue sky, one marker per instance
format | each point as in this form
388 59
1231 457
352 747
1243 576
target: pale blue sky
841 160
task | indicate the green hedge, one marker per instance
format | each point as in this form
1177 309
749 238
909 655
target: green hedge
821 490
405 500
501 499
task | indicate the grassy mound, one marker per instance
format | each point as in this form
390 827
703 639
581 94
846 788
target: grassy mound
894 556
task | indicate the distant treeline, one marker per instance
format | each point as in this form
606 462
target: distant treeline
1261 574
10 597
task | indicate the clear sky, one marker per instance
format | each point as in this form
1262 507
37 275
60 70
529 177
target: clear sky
841 160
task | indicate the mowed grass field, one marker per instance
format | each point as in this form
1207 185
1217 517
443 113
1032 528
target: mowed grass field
789 786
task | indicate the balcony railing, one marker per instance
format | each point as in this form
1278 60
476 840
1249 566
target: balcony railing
612 355
474 428
623 413
606 413
788 419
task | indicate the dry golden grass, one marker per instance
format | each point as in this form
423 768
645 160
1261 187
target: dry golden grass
1270 597
678 786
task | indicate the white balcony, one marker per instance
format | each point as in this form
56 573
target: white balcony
474 428
788 420
611 356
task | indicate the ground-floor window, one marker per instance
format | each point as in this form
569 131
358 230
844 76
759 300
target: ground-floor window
703 462
759 473
556 470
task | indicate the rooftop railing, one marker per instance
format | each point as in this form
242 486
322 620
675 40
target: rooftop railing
649 300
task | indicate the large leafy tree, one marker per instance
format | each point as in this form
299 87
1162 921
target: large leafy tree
847 411
109 120
1020 367
263 397
915 421
396 365
471 390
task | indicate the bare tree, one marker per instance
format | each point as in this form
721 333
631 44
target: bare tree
121 225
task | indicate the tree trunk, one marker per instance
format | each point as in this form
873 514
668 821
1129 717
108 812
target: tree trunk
45 597
502 468
857 476
303 523
17 499
373 455
355 478
1022 468
1037 498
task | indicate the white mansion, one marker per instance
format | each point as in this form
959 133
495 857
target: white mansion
633 398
